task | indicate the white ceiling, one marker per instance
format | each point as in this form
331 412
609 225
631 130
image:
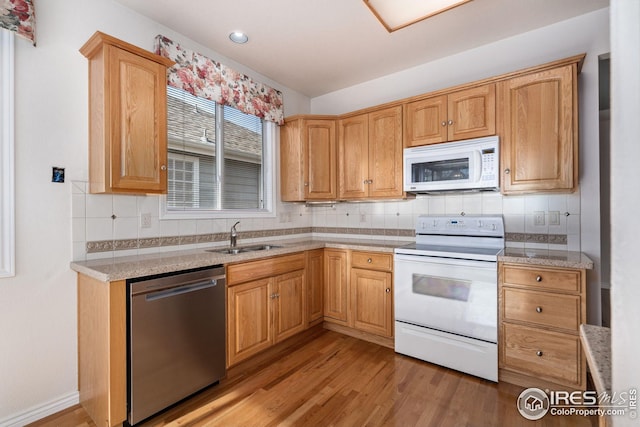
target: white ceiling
319 46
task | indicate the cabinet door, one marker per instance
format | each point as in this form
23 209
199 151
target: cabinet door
290 308
538 130
385 153
138 122
291 162
353 154
472 113
315 281
425 121
371 301
335 285
320 159
249 319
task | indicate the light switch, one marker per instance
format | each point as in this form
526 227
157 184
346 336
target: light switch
554 217
538 218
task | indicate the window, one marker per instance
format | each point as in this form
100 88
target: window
219 160
7 224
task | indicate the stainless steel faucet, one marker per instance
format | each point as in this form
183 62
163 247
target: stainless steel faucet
233 237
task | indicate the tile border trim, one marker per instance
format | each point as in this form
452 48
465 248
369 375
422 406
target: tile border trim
154 242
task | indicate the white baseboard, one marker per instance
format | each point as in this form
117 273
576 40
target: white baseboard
40 411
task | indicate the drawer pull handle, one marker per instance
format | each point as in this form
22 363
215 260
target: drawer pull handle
538 278
538 309
369 260
539 353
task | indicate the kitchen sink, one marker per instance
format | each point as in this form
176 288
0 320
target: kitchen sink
235 251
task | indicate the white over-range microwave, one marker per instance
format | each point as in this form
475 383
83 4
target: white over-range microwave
469 165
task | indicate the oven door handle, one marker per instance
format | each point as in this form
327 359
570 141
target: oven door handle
425 259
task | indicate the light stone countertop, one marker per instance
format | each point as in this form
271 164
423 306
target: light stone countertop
596 344
547 258
127 267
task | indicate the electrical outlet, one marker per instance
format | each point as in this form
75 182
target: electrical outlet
363 217
538 218
554 217
145 220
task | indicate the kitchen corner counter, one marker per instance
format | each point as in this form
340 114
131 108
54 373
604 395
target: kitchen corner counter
126 267
548 258
596 341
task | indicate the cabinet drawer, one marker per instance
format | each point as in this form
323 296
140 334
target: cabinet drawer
549 355
252 270
372 260
543 278
558 311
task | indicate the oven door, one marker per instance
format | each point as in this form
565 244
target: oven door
451 295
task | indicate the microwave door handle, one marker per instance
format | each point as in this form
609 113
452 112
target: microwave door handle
477 167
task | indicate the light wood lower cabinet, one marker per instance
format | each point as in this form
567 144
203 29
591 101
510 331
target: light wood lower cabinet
541 309
315 286
289 300
102 344
371 301
359 291
266 303
336 279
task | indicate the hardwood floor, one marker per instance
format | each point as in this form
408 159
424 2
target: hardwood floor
336 380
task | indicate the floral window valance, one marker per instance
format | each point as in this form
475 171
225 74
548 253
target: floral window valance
209 79
19 16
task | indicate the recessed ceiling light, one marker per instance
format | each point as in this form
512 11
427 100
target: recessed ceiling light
396 14
238 37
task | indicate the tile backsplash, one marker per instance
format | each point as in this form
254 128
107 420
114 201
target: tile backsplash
110 225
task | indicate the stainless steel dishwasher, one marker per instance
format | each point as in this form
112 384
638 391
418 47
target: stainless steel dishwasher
176 338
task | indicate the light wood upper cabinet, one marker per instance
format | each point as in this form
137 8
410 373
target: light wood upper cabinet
308 160
538 130
370 155
127 117
464 114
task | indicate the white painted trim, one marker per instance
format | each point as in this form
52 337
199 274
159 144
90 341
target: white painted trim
43 410
7 185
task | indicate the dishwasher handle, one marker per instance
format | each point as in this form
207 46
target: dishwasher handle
179 290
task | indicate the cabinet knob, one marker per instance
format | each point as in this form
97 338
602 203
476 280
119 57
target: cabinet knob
538 309
444 123
507 171
387 290
306 184
369 260
163 167
538 278
539 353
450 122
